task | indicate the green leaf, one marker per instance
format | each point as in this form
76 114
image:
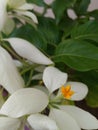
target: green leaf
93 14
79 55
60 6
29 33
38 2
49 30
67 25
92 98
91 79
89 30
81 6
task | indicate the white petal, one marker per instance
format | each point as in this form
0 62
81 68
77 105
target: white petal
42 88
26 6
42 122
28 51
28 14
24 101
17 63
3 13
37 76
80 90
84 119
53 78
8 26
49 2
64 120
40 68
10 79
49 14
16 3
7 123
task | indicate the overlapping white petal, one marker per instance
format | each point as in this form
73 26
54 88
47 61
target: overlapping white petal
26 6
22 10
10 79
83 118
53 78
64 120
28 51
17 63
42 122
80 90
40 68
28 14
23 102
3 13
37 76
7 123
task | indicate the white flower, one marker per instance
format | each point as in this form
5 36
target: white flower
10 79
21 11
32 101
28 51
54 79
68 117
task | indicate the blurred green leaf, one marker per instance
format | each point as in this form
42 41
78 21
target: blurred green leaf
66 25
38 2
92 98
81 6
91 79
79 55
60 6
93 14
89 30
29 33
49 30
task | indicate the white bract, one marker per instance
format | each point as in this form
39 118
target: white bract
28 51
10 78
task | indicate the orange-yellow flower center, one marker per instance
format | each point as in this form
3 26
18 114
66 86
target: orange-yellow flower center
66 91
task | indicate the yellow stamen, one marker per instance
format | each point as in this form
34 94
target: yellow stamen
66 91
